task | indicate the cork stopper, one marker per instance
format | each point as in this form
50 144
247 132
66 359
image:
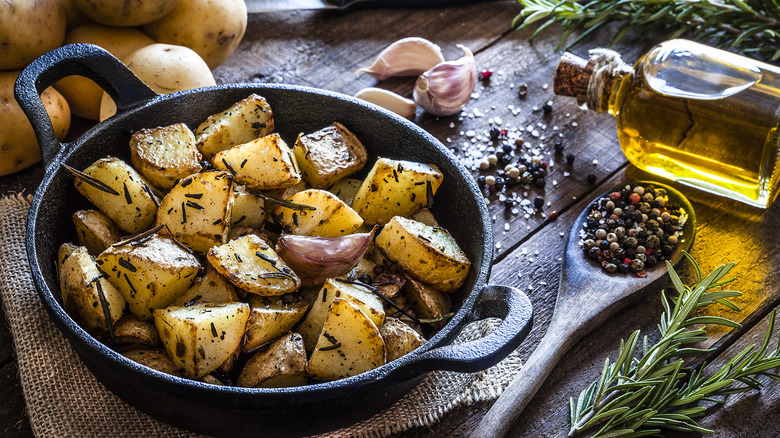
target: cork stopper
572 77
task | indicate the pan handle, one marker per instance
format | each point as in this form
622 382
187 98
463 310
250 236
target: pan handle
508 303
86 60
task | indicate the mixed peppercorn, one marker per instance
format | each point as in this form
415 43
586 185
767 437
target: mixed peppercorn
632 229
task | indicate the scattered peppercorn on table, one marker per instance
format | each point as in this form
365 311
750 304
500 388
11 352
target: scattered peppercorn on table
540 160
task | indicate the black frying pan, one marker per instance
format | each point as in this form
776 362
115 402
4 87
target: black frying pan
232 411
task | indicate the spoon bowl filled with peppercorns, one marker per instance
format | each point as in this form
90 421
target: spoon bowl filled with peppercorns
617 249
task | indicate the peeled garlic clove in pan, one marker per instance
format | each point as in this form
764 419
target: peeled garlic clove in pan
405 57
446 88
390 101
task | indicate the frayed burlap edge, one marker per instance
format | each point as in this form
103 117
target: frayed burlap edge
64 399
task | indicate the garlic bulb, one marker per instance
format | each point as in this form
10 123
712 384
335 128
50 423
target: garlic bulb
446 88
390 101
405 57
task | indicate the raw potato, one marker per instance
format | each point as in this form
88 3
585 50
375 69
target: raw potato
262 164
18 144
349 344
129 201
133 333
95 230
29 29
427 301
80 285
198 209
82 94
346 189
154 359
149 276
201 337
331 217
165 69
211 28
328 155
282 364
271 318
399 338
124 13
210 288
251 264
165 154
248 209
395 188
333 289
429 254
243 122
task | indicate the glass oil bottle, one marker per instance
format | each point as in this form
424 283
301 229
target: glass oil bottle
695 114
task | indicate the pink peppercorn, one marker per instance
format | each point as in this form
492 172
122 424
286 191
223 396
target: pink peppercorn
615 196
634 198
484 75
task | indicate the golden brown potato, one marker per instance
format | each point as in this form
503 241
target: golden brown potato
149 276
251 264
425 216
270 318
30 29
328 155
427 302
132 333
262 164
281 364
399 338
346 189
210 288
429 254
154 359
124 13
201 337
395 188
95 230
243 122
198 209
66 249
349 344
248 209
165 154
330 218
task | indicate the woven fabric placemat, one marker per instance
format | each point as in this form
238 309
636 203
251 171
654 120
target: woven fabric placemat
64 399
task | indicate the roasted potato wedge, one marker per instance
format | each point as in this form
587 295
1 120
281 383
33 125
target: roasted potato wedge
251 264
120 192
201 337
132 333
66 249
425 216
95 230
427 302
248 209
281 364
429 254
262 164
165 154
349 344
330 218
399 338
198 210
210 288
154 359
328 155
346 189
243 122
395 188
270 318
149 276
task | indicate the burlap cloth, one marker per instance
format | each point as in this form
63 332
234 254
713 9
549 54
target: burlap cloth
64 399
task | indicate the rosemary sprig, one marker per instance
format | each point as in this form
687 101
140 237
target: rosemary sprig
749 26
641 393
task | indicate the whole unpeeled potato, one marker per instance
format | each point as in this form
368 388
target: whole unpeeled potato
211 28
28 29
82 94
165 68
125 12
18 145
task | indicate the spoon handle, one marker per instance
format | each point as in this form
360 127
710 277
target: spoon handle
555 343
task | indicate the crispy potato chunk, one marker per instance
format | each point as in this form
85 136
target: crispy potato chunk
165 154
281 364
210 288
95 230
262 164
251 264
66 249
331 217
149 276
349 344
270 318
399 338
395 188
328 155
346 189
198 210
132 333
200 338
121 193
429 254
81 285
427 301
154 359
248 209
243 122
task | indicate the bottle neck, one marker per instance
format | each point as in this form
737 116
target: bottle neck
604 84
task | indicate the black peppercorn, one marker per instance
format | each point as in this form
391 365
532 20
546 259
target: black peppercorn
481 180
570 159
495 133
365 278
507 148
594 253
499 183
547 108
539 182
538 202
558 147
508 203
592 178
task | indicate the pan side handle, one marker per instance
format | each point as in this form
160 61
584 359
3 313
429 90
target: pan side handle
86 60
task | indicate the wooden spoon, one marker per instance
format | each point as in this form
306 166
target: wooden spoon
587 296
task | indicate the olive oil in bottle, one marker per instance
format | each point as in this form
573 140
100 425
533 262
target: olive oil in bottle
695 114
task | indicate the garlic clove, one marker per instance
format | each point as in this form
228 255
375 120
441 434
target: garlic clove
315 259
390 101
446 88
405 57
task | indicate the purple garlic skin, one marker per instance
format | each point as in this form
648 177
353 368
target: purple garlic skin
315 259
446 88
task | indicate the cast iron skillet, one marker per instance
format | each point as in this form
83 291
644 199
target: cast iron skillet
230 411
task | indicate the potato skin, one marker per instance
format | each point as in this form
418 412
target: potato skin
123 12
29 29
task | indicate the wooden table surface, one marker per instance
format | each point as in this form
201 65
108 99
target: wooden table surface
323 49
